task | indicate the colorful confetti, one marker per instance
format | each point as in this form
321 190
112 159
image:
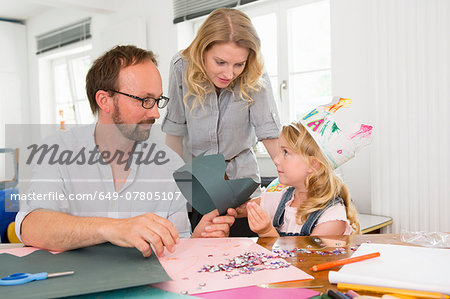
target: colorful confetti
292 253
247 263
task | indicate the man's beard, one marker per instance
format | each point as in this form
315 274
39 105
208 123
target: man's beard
131 131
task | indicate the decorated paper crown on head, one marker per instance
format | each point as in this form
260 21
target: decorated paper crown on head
337 145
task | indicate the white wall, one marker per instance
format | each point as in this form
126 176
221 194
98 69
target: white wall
151 18
409 55
13 82
13 75
393 59
350 80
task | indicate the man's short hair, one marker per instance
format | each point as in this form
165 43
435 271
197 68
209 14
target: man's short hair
104 73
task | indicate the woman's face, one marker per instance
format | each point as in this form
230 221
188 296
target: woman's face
224 62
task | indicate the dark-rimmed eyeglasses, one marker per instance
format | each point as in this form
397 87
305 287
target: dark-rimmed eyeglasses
147 102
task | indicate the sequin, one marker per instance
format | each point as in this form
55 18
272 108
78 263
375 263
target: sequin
247 263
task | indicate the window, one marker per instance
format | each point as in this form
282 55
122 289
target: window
267 23
62 76
69 73
310 56
296 47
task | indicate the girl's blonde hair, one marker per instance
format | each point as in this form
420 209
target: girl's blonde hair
223 25
322 185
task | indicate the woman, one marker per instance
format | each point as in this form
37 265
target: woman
220 100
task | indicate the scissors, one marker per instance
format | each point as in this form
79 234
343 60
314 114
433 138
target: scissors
21 278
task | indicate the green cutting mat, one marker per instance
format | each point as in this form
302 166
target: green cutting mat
97 268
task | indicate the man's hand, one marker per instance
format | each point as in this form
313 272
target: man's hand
259 221
140 232
214 226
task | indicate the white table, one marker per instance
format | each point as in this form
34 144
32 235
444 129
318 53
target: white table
373 223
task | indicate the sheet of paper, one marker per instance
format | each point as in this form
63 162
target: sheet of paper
97 268
22 251
407 267
191 254
260 293
142 292
202 182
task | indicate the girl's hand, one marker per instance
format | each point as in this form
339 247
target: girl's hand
259 221
242 209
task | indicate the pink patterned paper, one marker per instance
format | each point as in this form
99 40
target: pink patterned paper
191 254
23 251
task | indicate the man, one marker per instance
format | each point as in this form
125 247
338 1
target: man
125 175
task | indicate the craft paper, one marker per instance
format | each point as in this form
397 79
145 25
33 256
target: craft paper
142 292
97 268
22 251
260 293
191 254
202 182
405 267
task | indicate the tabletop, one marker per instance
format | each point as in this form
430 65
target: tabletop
343 245
320 250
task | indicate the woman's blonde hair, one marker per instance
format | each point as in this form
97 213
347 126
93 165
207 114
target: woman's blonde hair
323 184
223 25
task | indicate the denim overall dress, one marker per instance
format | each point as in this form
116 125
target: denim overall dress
310 222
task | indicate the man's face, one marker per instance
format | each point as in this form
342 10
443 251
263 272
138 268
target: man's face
134 121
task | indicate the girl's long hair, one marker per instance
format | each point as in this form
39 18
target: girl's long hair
223 25
322 185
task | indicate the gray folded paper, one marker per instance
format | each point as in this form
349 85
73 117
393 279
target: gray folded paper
202 182
97 268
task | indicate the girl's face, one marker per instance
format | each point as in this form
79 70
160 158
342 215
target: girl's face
224 62
292 168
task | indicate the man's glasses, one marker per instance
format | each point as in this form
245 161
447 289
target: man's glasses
148 102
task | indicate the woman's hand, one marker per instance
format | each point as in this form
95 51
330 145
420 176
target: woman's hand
259 221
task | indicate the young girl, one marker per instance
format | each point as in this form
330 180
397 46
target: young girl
318 202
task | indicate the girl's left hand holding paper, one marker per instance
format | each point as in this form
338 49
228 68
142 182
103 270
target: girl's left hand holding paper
259 221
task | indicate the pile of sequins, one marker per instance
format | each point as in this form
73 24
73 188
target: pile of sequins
247 263
292 253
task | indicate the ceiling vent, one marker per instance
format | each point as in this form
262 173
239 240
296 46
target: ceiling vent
64 36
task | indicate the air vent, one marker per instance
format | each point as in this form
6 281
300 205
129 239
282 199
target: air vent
190 9
64 36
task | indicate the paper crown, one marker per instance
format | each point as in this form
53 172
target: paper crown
337 145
